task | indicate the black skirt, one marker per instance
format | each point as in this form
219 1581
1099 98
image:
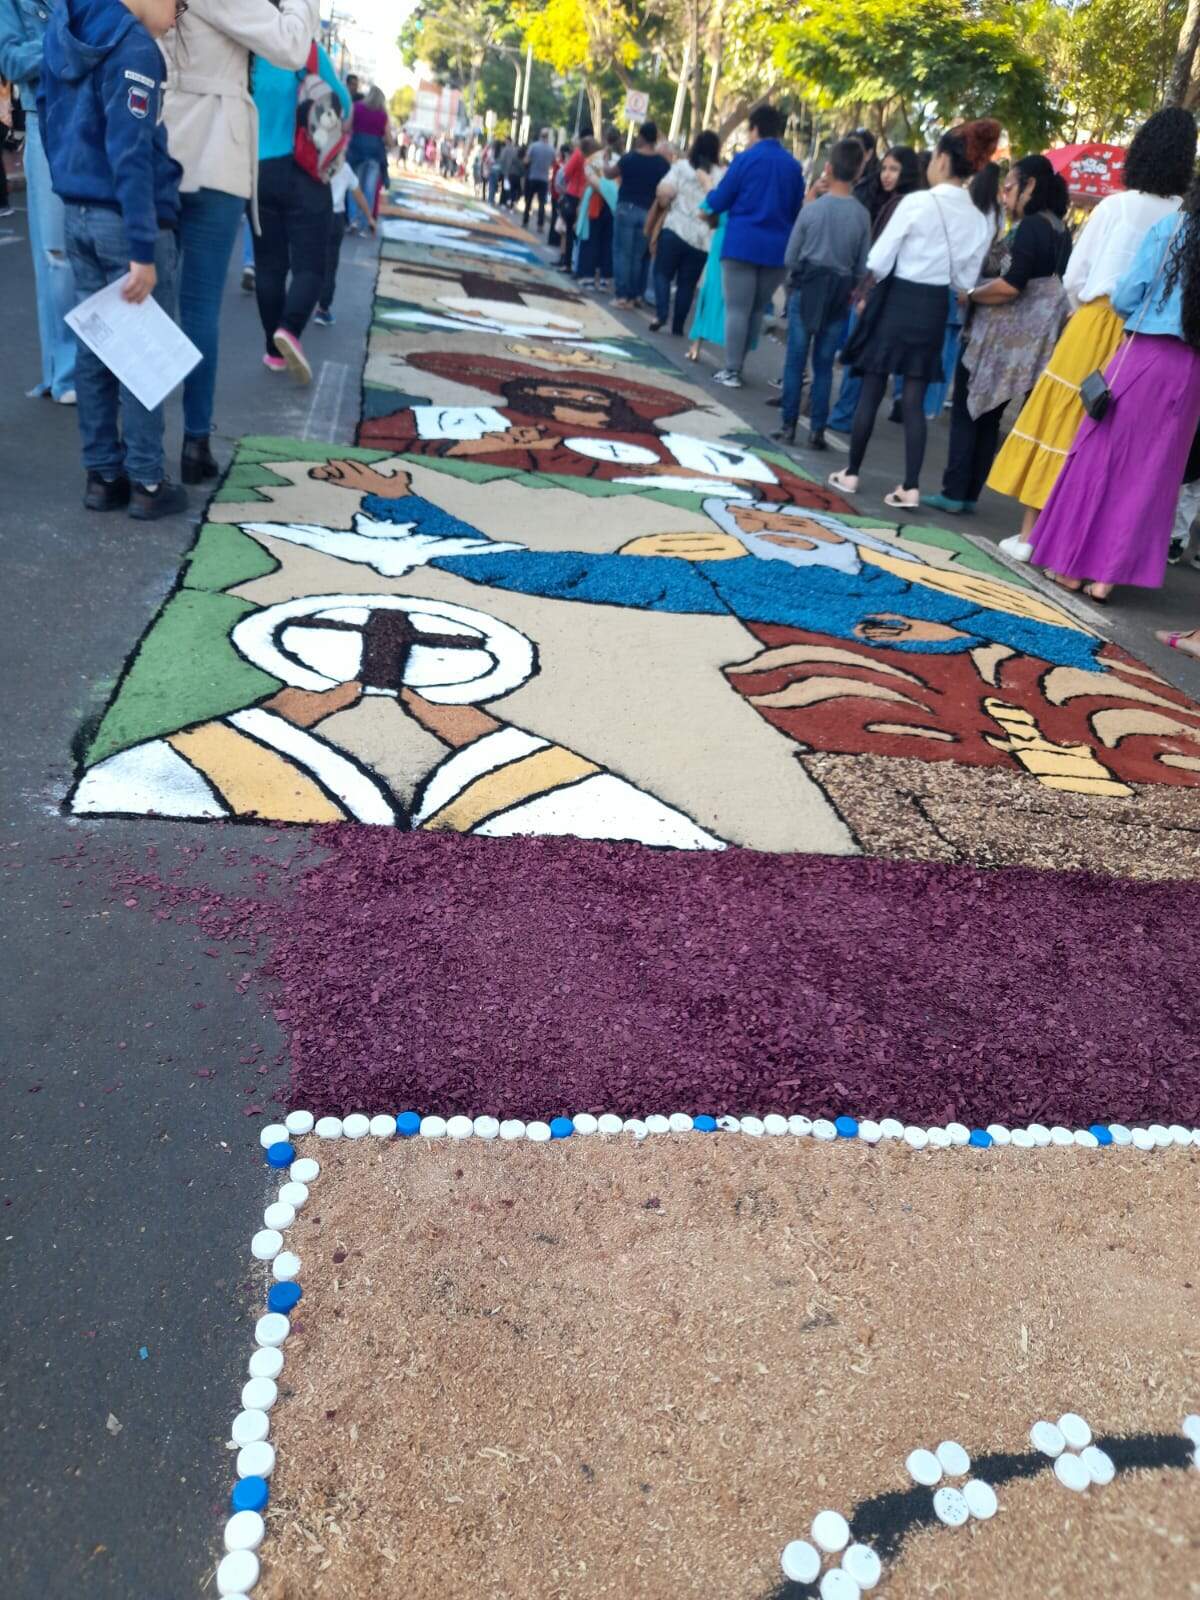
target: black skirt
909 335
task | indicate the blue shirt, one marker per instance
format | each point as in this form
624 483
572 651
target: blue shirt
275 95
1132 294
762 192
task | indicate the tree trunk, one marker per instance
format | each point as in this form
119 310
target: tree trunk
737 114
697 70
710 104
595 108
1185 56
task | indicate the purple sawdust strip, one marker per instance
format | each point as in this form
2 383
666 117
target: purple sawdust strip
534 977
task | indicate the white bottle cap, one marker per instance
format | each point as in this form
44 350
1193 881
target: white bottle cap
285 1266
890 1128
940 1138
306 1170
1041 1134
774 1124
1022 1138
863 1565
244 1531
981 1499
266 1244
293 1194
259 1394
751 1125
830 1531
1048 1438
433 1127
238 1573
585 1123
924 1467
608 1123
1074 1430
266 1363
1071 1472
272 1328
958 1131
837 1584
799 1127
539 1132
279 1215
681 1122
356 1126
954 1458
1061 1136
950 1506
486 1127
512 1128
1100 1465
634 1126
329 1128
800 1561
657 1124
274 1133
824 1129
917 1138
383 1126
999 1133
299 1122
460 1128
249 1427
870 1133
256 1460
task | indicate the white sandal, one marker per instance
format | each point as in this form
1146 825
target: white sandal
898 501
847 482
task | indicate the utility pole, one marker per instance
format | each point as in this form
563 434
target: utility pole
516 110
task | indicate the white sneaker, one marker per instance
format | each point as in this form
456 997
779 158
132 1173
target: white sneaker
728 378
66 398
1016 548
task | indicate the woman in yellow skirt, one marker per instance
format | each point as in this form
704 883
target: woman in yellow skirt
1158 169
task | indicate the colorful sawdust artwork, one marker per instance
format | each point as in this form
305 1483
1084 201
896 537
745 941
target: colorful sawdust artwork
647 1367
558 588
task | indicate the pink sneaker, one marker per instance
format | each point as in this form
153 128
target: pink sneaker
275 363
292 351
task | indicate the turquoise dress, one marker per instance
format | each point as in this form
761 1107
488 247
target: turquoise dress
708 318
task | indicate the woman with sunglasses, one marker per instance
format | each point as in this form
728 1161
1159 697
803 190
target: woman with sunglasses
212 129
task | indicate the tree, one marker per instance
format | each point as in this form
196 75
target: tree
592 37
400 106
921 63
454 37
1180 91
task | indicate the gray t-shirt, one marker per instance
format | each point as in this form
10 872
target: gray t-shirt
539 158
833 231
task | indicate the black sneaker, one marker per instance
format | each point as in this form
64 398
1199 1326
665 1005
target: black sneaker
817 440
197 463
248 280
786 434
106 494
167 500
1176 552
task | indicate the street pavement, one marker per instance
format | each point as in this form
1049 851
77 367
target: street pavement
127 1181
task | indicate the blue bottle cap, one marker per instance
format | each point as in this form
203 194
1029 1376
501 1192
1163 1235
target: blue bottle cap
980 1138
408 1123
704 1123
283 1297
1101 1132
281 1154
561 1127
847 1127
250 1494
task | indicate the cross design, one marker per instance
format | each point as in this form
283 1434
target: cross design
389 638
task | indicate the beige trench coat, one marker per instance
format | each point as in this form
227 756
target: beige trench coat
212 124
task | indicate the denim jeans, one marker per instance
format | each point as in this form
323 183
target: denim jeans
676 258
842 417
825 345
294 214
117 432
208 226
51 269
248 244
369 176
629 251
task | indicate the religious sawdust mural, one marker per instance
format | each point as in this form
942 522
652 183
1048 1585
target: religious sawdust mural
558 588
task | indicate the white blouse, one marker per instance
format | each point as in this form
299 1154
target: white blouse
1109 241
687 189
935 236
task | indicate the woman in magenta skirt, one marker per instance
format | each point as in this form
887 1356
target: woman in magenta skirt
1108 519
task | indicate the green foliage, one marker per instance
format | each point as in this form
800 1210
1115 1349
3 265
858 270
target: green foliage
400 106
928 62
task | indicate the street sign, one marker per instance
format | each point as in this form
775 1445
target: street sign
636 105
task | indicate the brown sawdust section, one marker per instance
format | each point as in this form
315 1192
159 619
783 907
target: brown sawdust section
598 1368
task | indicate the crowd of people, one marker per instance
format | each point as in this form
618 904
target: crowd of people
150 138
942 278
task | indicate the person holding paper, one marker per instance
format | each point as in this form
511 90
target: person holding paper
100 105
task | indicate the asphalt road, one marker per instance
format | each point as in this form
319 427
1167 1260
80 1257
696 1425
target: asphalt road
130 1185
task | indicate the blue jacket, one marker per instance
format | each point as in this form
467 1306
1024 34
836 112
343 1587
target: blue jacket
22 24
762 192
100 103
275 92
1147 275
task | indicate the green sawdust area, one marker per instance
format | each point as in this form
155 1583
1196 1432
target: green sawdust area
186 669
